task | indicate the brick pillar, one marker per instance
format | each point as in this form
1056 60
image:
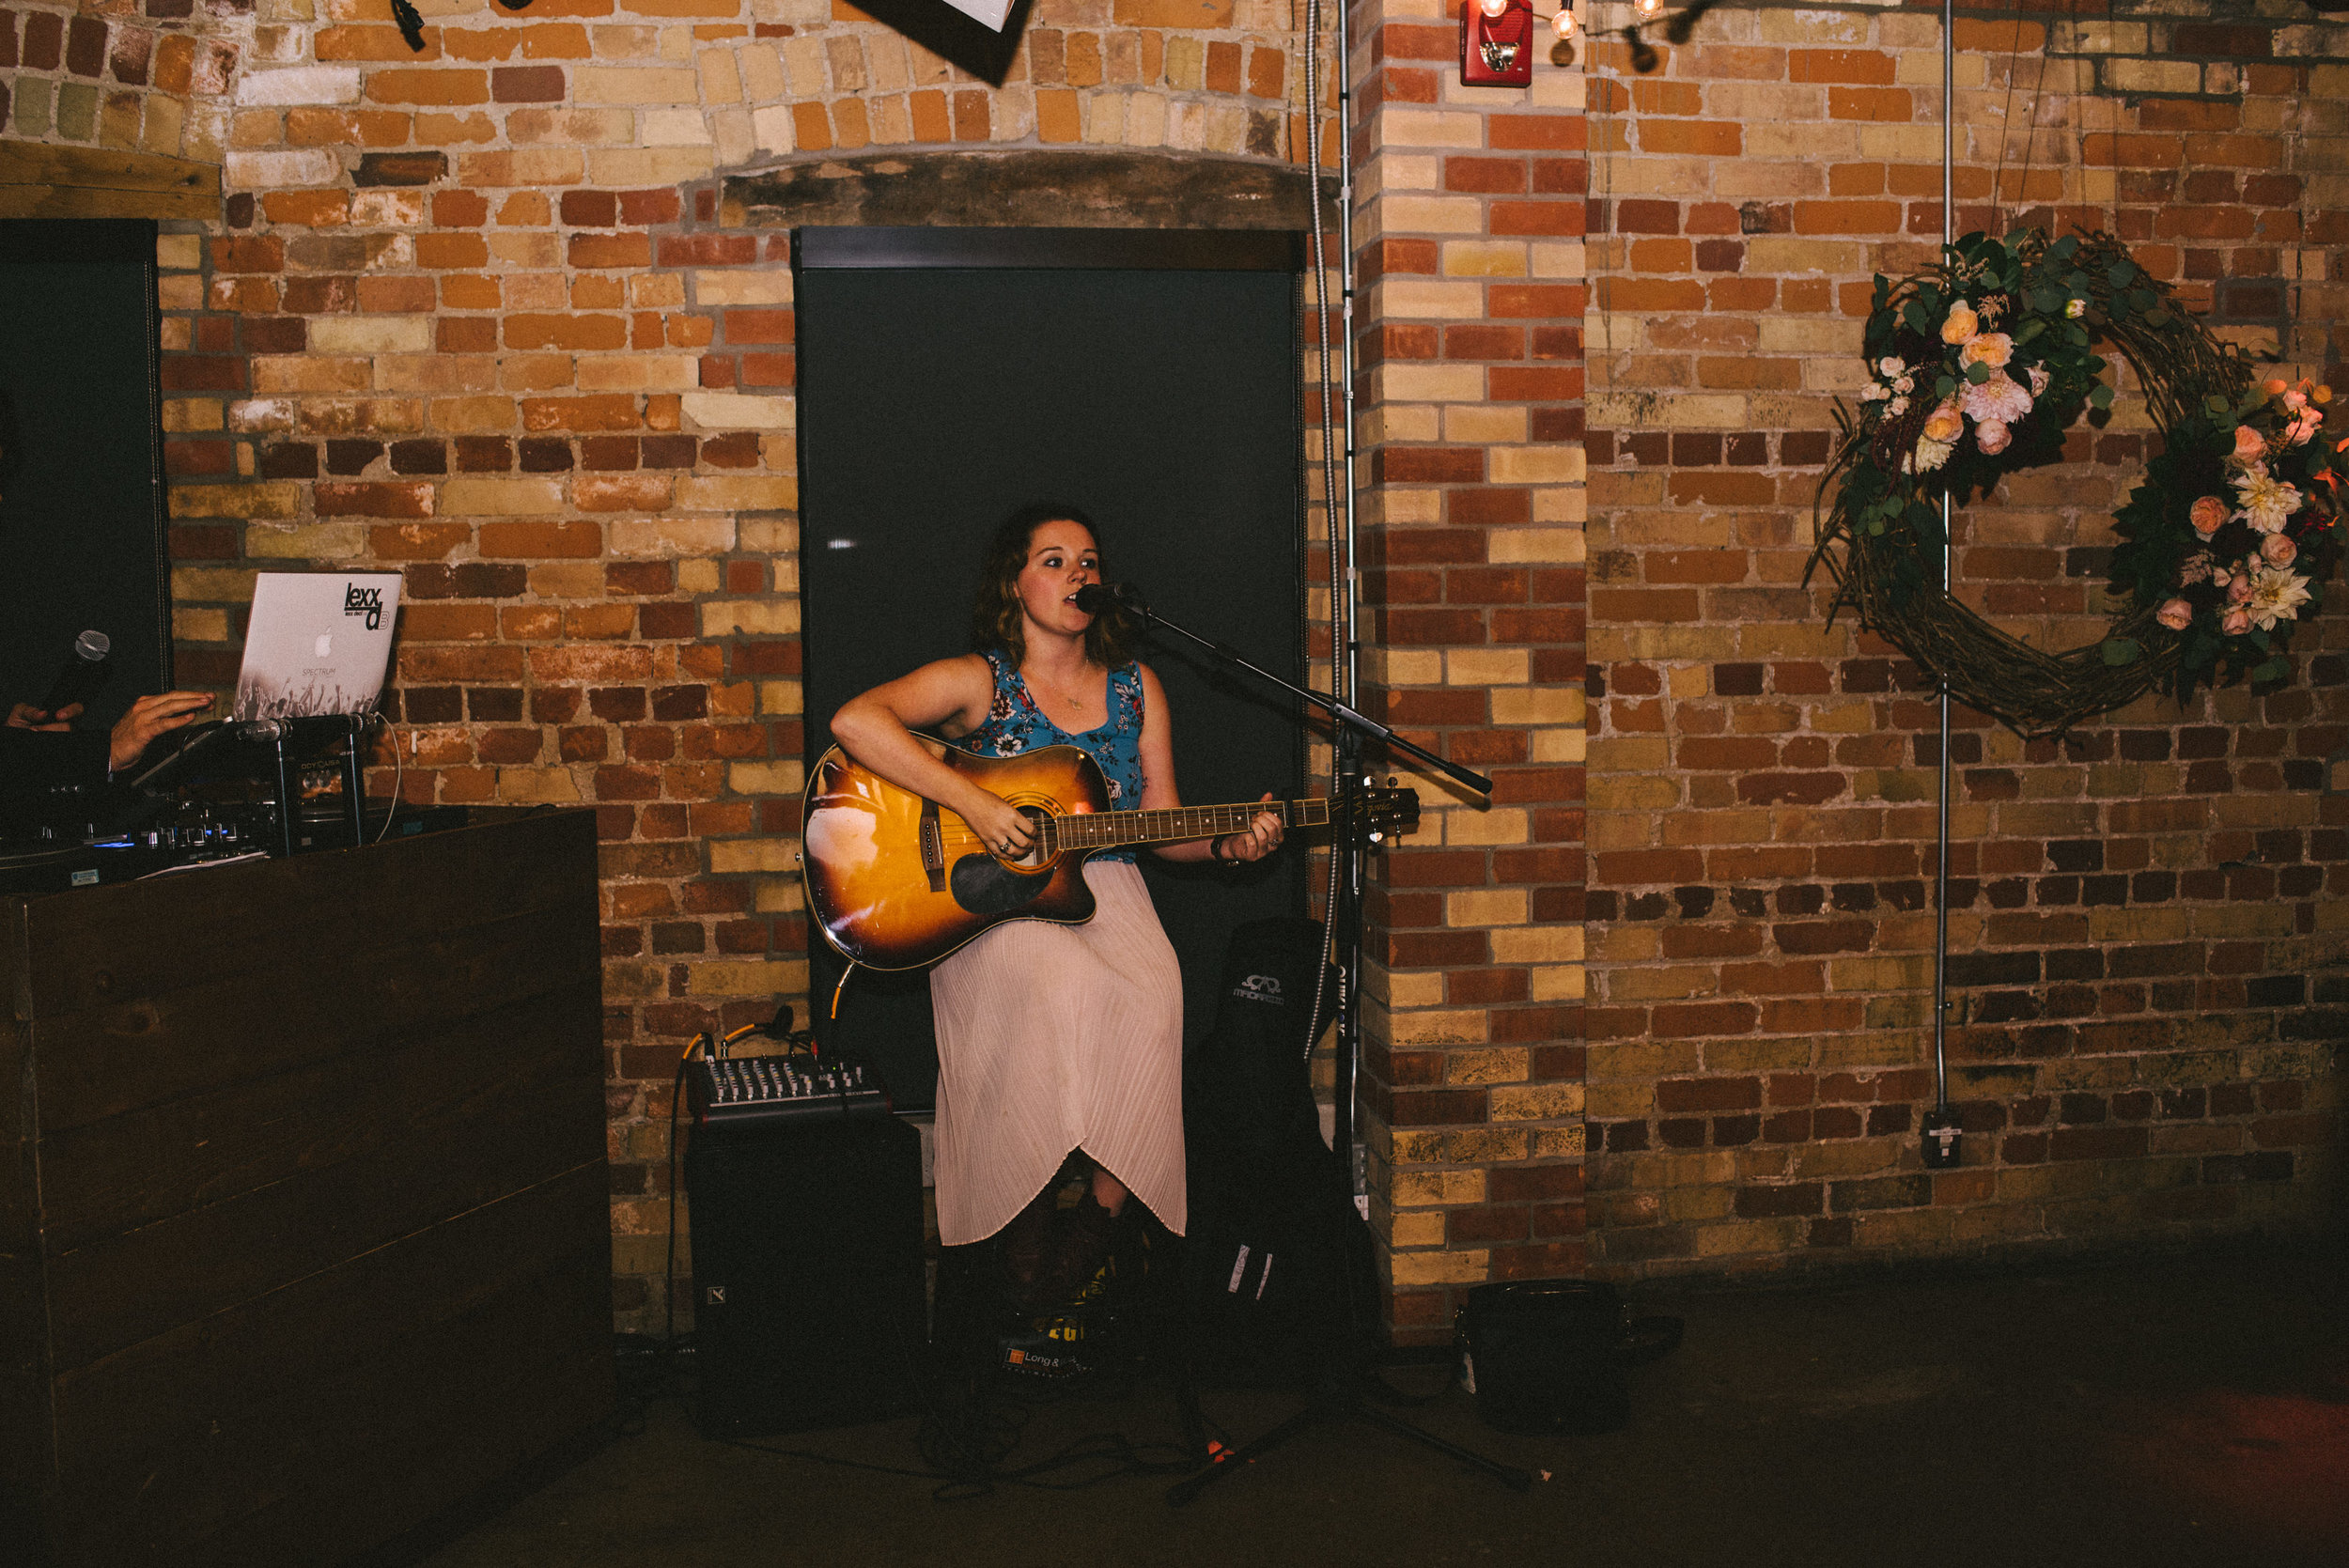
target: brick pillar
1469 213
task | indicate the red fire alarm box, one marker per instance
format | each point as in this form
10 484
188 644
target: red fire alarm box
1497 47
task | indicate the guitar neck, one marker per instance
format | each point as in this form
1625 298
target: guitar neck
1111 830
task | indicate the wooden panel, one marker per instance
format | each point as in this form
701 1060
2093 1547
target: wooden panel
307 1163
512 1066
245 919
41 181
305 1401
538 1115
110 1061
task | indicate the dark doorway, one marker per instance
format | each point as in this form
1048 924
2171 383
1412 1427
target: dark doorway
948 377
80 460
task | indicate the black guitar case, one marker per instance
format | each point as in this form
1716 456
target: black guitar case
1279 1262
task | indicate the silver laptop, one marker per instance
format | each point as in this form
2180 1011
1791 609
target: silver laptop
319 643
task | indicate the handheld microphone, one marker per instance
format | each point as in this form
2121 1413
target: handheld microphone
1093 598
85 671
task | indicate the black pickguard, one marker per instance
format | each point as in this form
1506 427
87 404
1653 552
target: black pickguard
985 886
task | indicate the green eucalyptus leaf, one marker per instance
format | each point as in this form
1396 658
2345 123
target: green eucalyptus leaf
2100 395
2274 669
1943 386
1977 373
2118 651
2120 273
2157 317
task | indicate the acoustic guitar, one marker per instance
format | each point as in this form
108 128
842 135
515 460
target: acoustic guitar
895 881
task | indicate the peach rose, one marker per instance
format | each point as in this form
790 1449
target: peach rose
1991 349
2237 622
1962 323
1945 424
2177 615
2209 514
2277 549
2249 446
1992 437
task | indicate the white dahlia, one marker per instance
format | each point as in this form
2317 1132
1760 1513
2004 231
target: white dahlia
2277 596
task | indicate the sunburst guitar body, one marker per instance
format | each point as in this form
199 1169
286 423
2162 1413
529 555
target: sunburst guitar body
895 881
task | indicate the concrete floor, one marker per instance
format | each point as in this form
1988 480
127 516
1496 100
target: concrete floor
2187 1410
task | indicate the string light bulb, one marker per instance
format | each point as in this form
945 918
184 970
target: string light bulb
1649 7
1562 24
1492 8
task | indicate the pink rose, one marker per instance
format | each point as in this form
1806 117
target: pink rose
2210 514
2177 615
2303 425
2238 621
1992 437
2239 588
2249 446
2277 549
2039 379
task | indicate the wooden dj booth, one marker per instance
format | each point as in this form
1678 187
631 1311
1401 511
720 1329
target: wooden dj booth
305 1227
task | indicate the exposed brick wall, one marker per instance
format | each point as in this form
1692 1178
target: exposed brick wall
153 78
485 313
1469 221
2145 915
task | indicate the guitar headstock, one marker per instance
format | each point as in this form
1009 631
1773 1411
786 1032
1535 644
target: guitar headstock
1386 811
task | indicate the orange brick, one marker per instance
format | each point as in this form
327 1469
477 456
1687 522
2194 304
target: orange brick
1848 217
930 122
308 209
1866 65
450 251
812 128
373 43
469 293
607 412
1056 117
444 87
1692 137
1870 104
578 334
537 542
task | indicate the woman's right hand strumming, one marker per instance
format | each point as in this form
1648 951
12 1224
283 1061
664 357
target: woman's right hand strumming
950 695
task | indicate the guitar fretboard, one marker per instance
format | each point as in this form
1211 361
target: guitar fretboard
1109 829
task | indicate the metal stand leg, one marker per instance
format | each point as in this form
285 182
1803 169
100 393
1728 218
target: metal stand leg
288 798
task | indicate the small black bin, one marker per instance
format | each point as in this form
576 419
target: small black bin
1546 1355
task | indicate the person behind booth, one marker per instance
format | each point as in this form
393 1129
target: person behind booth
1051 1039
41 751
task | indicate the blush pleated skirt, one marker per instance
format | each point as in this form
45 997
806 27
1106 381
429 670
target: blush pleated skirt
1052 1038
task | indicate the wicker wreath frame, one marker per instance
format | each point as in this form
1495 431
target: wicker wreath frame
1886 569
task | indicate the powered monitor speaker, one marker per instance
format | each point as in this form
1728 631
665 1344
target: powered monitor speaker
807 1273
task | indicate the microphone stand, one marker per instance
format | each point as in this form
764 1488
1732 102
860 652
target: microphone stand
1341 1382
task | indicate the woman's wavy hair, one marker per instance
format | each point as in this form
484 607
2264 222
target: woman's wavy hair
995 615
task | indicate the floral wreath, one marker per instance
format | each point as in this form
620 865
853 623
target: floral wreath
1979 366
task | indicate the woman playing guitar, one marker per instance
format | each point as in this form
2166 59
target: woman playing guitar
1051 1037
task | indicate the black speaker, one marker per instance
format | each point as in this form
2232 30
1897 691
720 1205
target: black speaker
1546 1355
807 1273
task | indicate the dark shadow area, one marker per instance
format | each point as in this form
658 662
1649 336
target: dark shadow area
2180 1411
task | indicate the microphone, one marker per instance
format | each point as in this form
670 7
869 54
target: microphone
1093 598
85 671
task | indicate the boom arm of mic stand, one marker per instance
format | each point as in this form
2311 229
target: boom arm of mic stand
1330 706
